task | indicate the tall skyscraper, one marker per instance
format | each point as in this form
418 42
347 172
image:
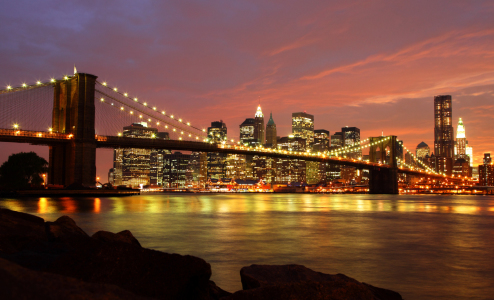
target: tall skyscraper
217 132
271 132
303 126
462 150
259 117
336 140
443 126
248 132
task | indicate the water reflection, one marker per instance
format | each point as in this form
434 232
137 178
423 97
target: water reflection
402 242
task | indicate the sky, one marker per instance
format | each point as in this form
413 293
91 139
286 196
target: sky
376 65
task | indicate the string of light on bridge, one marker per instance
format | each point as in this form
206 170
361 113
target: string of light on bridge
154 109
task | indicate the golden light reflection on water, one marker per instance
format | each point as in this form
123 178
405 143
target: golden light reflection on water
97 205
42 205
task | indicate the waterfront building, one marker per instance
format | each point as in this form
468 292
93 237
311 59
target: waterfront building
321 140
422 151
271 137
486 171
461 167
443 133
196 174
132 166
217 134
264 168
175 170
235 166
291 170
312 173
303 126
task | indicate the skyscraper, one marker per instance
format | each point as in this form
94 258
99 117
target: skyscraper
217 132
443 126
351 136
321 140
248 132
303 126
422 150
217 161
271 132
462 150
259 133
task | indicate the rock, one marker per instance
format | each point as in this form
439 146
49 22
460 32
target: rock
65 229
20 230
121 237
20 283
215 292
299 282
142 271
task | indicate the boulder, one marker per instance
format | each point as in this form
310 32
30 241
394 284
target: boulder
20 230
121 237
20 283
299 282
65 230
142 271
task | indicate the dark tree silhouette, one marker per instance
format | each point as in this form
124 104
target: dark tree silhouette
22 170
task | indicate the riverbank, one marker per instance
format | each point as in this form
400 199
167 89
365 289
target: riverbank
71 193
42 259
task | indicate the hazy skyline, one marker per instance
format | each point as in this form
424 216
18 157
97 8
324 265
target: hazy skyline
375 65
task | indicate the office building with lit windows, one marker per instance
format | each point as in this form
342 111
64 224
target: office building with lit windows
271 137
443 134
303 126
217 161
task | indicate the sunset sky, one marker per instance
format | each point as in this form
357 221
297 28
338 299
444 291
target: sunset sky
375 65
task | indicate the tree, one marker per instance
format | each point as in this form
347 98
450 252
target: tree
22 170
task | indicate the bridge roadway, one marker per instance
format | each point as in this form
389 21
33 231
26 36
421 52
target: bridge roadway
52 138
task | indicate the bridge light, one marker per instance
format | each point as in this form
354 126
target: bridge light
182 132
16 126
115 89
204 130
122 108
135 99
166 126
180 120
154 108
52 80
190 135
149 120
38 82
119 134
180 138
153 136
145 104
104 83
171 116
66 77
174 129
50 129
9 87
162 112
157 123
24 85
131 112
197 137
140 116
188 123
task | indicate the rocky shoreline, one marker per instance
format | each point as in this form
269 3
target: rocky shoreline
58 260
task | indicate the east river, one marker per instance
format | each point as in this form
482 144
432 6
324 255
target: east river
424 246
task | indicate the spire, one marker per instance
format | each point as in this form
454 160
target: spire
271 121
75 70
460 131
259 112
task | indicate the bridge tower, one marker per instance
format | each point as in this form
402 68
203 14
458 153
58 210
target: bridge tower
383 180
74 113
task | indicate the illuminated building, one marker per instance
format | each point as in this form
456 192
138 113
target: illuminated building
462 167
337 140
271 137
247 132
443 134
303 126
156 162
217 161
351 135
422 150
264 168
321 140
486 171
291 170
312 174
462 150
132 166
259 129
175 170
196 174
235 166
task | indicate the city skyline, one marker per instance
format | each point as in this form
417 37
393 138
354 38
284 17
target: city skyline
324 59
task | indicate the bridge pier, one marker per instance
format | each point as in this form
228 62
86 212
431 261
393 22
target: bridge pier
383 181
74 113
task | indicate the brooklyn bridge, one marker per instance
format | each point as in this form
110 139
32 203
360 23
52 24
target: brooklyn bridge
77 114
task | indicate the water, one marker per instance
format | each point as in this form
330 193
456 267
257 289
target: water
425 247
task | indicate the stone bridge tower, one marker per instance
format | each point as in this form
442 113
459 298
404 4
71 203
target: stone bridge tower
383 180
74 163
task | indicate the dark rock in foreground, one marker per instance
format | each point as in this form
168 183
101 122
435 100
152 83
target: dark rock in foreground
20 283
299 282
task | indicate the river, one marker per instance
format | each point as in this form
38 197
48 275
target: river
424 246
